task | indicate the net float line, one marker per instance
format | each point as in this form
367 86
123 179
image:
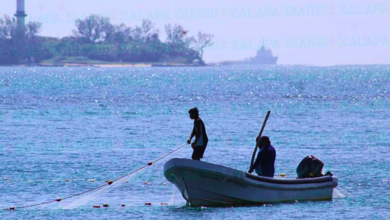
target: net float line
91 190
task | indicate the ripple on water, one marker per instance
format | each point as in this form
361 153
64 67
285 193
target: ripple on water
81 124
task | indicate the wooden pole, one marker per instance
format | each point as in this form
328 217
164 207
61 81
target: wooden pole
261 132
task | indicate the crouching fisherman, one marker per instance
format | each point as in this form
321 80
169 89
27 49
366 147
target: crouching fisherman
199 131
265 161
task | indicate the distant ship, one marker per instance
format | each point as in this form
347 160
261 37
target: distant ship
264 56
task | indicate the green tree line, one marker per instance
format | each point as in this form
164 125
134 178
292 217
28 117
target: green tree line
96 38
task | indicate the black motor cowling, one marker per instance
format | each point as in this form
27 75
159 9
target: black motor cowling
310 167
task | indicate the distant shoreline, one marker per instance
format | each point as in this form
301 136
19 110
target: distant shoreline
106 65
149 65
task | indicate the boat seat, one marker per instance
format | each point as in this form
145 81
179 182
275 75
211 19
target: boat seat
322 179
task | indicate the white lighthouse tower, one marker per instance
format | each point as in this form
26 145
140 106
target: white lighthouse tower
21 17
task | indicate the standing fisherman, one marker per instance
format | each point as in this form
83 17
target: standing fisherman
199 131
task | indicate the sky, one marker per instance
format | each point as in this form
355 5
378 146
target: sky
307 32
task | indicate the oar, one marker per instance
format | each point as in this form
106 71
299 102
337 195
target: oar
261 132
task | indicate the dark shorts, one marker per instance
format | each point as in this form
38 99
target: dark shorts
198 152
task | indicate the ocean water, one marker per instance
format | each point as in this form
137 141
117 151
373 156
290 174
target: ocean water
77 124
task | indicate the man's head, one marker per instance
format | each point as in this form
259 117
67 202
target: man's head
264 141
194 113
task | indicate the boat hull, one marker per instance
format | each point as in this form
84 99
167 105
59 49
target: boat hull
206 184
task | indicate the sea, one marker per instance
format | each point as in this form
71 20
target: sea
66 131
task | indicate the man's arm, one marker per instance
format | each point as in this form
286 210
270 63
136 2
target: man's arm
197 133
258 161
192 135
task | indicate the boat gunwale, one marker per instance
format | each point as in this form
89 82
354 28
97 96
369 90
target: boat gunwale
170 170
322 179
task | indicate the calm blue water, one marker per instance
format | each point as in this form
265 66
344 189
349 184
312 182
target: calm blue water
90 123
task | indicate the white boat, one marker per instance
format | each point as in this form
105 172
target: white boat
207 184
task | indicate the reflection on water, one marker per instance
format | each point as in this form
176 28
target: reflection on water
94 123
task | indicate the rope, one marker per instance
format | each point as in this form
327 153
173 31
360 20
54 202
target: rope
99 187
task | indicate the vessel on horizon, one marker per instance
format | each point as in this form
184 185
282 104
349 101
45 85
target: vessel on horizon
263 56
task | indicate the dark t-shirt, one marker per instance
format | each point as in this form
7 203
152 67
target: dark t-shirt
199 131
265 162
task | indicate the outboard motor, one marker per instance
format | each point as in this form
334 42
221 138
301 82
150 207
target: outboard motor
310 167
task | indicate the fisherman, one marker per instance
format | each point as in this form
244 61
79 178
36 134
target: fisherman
199 131
265 161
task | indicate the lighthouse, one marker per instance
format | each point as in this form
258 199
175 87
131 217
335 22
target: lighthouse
21 17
